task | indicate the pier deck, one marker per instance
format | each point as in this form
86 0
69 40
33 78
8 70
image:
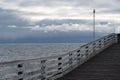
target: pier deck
104 66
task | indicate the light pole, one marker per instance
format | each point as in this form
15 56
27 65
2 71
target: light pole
93 29
93 24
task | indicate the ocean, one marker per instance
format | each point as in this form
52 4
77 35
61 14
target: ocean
23 51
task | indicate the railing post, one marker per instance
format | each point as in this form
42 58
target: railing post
94 44
20 71
78 56
116 38
59 65
43 69
70 59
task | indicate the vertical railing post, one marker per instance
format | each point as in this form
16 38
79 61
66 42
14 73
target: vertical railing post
116 38
78 56
43 69
59 65
70 59
93 47
102 43
20 71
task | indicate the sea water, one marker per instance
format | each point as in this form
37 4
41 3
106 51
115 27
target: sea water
11 52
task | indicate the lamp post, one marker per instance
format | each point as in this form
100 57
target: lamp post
93 24
93 29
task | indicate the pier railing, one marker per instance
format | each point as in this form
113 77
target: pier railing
50 68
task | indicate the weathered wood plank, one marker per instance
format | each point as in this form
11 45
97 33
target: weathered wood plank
105 66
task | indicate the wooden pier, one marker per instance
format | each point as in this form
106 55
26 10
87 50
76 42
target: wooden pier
104 66
97 60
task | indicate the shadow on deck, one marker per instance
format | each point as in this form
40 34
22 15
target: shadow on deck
104 66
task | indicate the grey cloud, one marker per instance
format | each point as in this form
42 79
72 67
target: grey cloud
94 3
112 11
112 4
53 3
47 22
8 17
102 6
22 35
12 17
42 3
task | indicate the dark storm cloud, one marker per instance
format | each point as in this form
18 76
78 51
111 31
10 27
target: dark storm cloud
8 17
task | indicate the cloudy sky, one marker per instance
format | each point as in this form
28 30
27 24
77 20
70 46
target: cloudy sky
57 20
